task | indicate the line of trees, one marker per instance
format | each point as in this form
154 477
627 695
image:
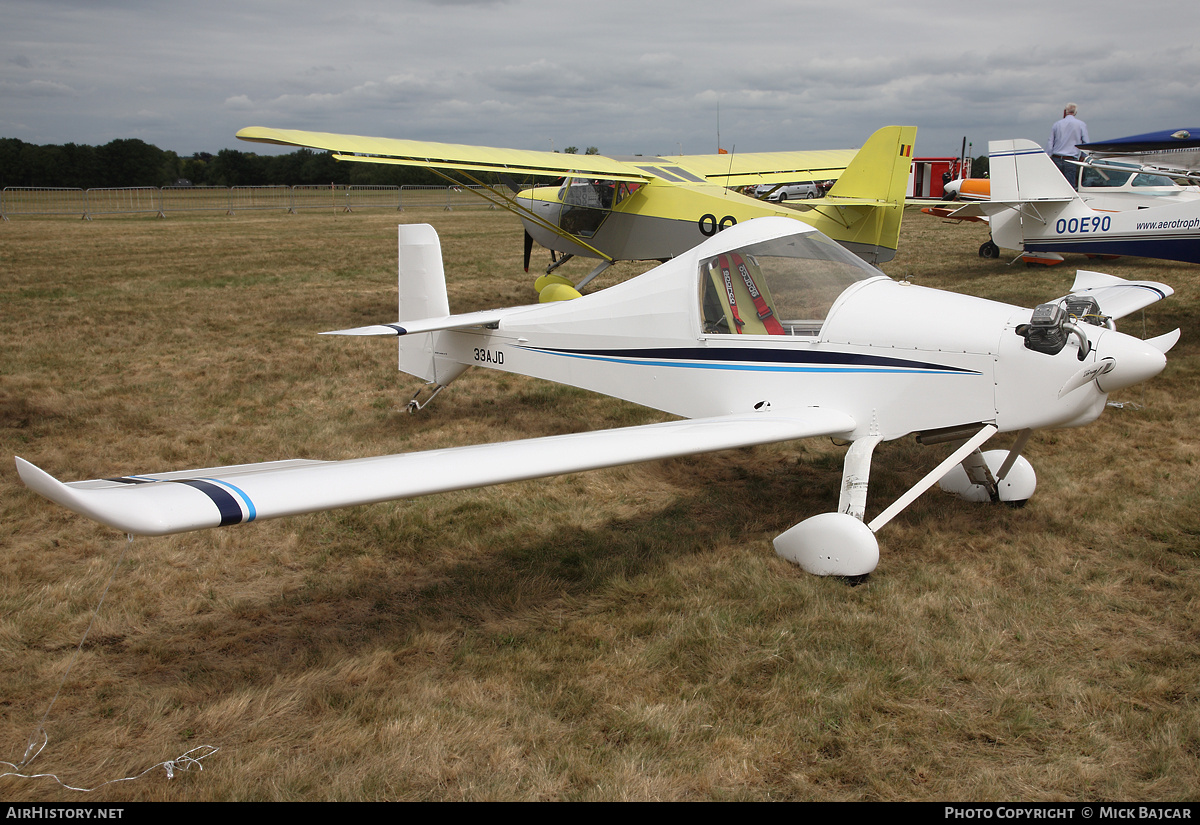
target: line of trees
132 162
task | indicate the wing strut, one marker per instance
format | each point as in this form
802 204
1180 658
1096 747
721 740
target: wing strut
985 432
494 197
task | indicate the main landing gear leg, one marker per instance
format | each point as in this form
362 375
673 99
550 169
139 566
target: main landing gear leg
840 544
600 267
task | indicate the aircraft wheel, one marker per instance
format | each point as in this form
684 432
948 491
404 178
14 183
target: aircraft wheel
1014 490
830 544
989 250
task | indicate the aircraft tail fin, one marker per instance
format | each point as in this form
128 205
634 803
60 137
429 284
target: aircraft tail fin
1027 191
422 287
1021 171
873 188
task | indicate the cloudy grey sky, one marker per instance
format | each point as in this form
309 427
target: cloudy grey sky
628 77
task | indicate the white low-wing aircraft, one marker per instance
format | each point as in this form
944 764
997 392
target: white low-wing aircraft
766 332
1033 208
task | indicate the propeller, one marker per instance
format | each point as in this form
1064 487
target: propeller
1125 361
528 248
1136 361
1087 374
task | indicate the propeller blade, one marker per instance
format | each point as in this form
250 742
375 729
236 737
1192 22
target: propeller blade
1164 342
1089 373
509 182
528 248
1137 359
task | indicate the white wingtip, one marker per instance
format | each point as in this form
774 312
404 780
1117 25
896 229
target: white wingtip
43 483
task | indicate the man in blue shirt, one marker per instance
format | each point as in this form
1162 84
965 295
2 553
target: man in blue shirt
1065 135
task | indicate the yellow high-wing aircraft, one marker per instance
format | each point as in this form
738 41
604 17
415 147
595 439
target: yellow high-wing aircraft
652 208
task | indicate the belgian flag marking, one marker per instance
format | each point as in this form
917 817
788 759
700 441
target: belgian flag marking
906 150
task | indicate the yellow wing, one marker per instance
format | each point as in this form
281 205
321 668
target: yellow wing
769 167
724 170
430 155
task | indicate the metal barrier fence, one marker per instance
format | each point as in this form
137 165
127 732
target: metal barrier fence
122 201
248 198
374 197
195 199
32 200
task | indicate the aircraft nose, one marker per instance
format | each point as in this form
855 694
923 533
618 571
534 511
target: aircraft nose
1134 361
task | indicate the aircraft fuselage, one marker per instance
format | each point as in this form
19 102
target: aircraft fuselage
896 357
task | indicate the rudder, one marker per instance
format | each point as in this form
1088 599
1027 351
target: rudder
421 285
879 173
1021 171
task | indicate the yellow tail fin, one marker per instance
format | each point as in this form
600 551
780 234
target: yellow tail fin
864 208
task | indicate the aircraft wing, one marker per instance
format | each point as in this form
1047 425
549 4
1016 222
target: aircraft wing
1116 296
769 167
1163 151
952 213
430 155
725 170
1160 163
165 503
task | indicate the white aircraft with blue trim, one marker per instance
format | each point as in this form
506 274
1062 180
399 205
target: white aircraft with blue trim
767 332
1034 209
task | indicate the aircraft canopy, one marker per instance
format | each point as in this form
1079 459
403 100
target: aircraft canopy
781 286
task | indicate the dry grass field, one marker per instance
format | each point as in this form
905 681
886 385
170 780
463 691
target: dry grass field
622 634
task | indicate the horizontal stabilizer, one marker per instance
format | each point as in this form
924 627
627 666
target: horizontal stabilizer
988 209
470 319
1118 297
219 496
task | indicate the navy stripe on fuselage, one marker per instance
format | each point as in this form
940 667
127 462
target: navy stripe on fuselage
1163 247
1018 152
761 360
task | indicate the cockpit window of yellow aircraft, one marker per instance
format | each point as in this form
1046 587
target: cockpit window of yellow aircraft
586 203
624 190
778 287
